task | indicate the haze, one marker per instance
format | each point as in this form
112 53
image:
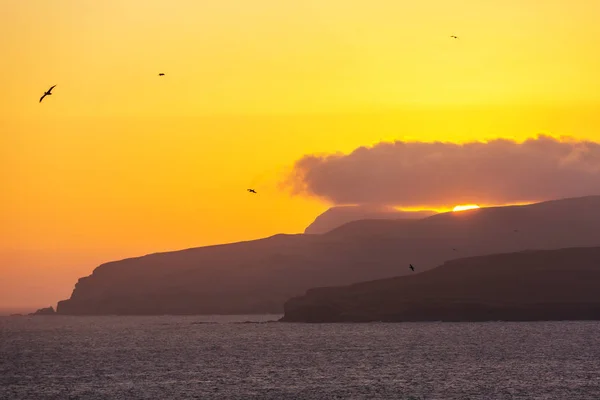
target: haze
119 162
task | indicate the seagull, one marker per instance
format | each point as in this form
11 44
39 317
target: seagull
454 37
161 74
47 93
411 267
251 191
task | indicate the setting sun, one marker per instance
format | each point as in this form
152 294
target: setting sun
465 207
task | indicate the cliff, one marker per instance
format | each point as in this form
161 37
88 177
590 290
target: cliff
559 284
259 276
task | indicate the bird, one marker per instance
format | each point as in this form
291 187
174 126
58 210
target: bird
454 249
47 93
454 36
251 191
411 267
161 74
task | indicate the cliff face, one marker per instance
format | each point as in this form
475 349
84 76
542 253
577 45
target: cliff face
532 285
259 276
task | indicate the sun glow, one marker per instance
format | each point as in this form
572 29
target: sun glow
465 207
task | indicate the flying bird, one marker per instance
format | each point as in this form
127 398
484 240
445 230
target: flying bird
454 36
454 249
47 93
161 74
251 191
411 267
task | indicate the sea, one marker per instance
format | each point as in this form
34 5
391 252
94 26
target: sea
255 357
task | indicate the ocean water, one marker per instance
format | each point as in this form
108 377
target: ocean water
195 357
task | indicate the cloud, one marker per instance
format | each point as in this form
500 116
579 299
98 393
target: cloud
414 174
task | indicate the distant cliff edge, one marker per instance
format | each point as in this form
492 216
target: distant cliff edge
526 286
337 216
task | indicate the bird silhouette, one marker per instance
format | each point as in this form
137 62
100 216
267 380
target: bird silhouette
161 74
47 93
454 37
251 191
411 267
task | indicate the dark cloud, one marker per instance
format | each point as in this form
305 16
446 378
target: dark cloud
438 174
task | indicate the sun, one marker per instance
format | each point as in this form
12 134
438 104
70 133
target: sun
464 207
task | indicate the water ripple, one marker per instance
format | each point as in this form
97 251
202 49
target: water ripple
246 358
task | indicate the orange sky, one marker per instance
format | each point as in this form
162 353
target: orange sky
119 162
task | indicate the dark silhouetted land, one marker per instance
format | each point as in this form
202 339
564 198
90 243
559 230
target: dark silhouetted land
526 286
260 276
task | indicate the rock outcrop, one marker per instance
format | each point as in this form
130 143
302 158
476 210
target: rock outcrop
259 276
44 311
526 286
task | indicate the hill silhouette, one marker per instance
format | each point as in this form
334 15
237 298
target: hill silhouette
531 285
259 276
335 217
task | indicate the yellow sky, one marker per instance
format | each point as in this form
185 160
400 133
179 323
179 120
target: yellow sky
119 162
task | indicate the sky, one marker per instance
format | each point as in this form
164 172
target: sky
119 162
